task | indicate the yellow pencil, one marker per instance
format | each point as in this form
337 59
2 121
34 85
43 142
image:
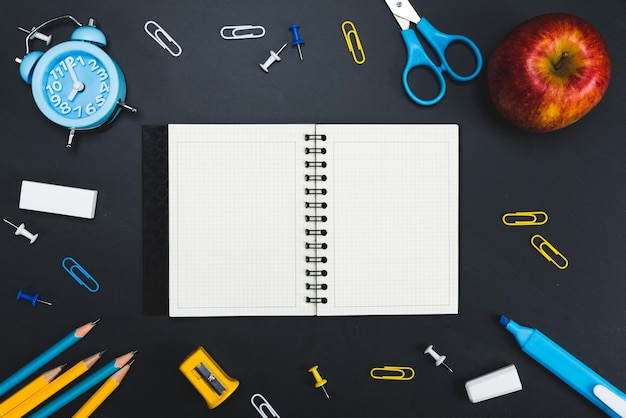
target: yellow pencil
102 393
28 390
53 387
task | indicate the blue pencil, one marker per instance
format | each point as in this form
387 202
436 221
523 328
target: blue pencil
40 361
83 386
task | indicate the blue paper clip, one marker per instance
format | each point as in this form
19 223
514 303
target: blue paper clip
84 272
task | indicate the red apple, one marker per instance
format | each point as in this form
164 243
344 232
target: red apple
549 72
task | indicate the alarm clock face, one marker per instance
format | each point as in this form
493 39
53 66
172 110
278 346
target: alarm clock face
77 85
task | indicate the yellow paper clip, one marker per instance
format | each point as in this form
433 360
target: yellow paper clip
349 32
561 262
392 373
208 377
525 218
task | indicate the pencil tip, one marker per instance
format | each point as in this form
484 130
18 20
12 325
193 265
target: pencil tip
135 352
96 321
91 360
124 359
101 353
80 332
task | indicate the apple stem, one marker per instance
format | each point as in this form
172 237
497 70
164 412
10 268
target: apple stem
558 65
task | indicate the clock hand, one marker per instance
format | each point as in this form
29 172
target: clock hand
78 85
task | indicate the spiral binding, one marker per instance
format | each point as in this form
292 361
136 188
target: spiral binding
313 202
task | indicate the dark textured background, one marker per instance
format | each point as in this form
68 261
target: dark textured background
576 175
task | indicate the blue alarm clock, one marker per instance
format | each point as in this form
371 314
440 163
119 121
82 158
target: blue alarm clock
75 84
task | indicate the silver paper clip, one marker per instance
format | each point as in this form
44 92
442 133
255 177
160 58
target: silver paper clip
156 32
85 274
242 32
264 403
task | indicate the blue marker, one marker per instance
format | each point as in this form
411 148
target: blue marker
568 368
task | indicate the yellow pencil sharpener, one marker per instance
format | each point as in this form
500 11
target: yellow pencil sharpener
208 378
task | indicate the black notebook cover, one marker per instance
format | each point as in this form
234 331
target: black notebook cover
155 220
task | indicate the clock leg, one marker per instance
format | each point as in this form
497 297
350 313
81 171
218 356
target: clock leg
70 138
126 106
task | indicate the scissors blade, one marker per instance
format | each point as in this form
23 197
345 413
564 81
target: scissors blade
403 12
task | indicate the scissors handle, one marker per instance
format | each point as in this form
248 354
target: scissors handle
417 57
441 41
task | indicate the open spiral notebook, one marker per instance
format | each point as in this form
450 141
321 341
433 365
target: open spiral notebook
313 219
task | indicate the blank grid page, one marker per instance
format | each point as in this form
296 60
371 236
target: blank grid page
393 219
234 207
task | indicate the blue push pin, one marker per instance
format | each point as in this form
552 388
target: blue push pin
33 299
297 41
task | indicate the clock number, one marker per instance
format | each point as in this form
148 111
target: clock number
65 108
90 109
56 71
55 99
55 87
67 61
102 74
81 60
104 87
100 100
94 64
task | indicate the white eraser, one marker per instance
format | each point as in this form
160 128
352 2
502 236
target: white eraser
61 200
491 385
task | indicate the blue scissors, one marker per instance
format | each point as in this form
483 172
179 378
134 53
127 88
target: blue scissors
417 56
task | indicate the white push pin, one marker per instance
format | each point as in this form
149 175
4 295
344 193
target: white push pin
272 58
21 230
439 360
37 35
